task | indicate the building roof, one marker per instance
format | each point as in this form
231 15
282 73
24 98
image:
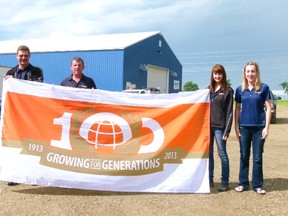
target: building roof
91 42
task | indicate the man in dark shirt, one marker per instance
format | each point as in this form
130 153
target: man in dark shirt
24 70
78 79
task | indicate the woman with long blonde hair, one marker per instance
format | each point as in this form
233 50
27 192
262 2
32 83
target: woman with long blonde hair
252 125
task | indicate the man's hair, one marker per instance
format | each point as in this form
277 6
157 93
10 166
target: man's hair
23 47
77 59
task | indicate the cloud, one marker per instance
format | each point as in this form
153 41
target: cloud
200 32
204 23
45 18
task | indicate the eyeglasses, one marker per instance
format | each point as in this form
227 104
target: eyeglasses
23 56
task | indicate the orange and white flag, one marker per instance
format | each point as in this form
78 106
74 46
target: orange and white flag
101 140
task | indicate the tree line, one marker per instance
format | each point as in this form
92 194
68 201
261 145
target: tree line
191 86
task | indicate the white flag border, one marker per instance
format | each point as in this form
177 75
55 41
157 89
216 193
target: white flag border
103 96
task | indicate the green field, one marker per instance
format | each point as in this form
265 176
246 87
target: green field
282 102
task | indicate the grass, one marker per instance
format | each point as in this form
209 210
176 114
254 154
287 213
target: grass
282 102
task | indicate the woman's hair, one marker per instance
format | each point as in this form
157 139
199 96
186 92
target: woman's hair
218 68
258 82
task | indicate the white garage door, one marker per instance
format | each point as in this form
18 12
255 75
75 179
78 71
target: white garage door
157 78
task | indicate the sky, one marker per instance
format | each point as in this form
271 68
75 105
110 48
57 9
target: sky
201 33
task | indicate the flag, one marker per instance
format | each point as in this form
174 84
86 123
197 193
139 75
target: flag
101 140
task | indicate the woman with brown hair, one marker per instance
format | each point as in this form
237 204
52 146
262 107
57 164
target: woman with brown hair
221 117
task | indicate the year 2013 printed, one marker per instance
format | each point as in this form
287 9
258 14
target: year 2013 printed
170 155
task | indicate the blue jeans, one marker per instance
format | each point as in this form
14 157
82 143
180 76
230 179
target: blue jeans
217 133
251 135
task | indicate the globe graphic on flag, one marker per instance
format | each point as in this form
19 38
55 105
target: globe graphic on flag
105 129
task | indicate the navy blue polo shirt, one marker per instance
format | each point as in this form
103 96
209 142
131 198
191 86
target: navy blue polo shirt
85 82
252 111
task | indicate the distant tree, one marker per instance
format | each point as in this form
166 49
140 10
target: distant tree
285 86
229 82
190 86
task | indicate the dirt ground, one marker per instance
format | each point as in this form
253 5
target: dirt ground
38 200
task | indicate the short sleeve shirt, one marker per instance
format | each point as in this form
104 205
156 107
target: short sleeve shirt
85 82
252 105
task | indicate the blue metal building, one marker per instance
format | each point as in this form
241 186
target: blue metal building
115 62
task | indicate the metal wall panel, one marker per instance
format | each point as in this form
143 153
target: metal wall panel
110 69
152 51
105 67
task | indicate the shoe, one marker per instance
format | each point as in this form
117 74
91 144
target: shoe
240 188
223 187
12 183
260 191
